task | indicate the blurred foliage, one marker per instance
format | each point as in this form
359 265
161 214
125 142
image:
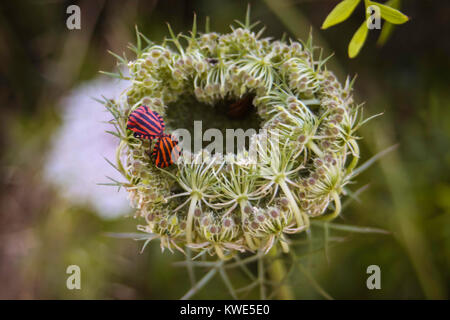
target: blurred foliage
408 193
388 12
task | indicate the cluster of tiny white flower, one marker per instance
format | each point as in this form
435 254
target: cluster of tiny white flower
225 204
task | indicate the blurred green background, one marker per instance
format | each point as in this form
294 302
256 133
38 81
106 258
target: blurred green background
41 233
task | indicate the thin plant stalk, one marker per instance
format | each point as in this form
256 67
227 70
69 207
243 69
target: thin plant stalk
277 273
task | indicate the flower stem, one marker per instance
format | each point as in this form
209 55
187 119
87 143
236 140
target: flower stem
302 220
314 148
355 159
247 237
190 218
284 245
337 210
219 253
277 272
119 161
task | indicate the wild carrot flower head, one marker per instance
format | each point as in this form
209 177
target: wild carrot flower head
295 169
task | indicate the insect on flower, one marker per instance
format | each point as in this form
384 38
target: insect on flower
212 61
148 124
306 150
166 151
145 123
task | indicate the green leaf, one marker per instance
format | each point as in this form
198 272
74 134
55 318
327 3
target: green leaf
349 228
385 34
390 14
358 40
112 74
131 235
341 12
388 27
372 160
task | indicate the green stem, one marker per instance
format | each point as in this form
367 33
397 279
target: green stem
119 161
355 159
284 245
302 220
202 282
277 273
337 210
262 285
314 148
219 253
190 218
247 237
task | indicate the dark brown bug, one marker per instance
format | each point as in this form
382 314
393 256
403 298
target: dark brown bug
212 61
241 107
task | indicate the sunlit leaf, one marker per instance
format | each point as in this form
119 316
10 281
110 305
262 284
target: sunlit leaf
390 14
358 40
341 12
